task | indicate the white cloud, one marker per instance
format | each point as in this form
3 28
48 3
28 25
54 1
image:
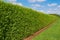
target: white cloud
15 2
42 10
12 0
32 1
52 4
59 6
41 0
50 11
53 11
36 5
18 4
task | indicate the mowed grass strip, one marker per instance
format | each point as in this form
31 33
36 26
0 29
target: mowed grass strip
52 33
17 22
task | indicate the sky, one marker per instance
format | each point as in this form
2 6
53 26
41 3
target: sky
46 6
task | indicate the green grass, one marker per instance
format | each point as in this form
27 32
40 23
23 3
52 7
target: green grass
17 22
55 15
52 33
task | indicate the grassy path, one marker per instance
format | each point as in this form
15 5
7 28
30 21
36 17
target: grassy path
38 32
53 33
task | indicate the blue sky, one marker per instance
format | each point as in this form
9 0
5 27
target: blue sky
47 6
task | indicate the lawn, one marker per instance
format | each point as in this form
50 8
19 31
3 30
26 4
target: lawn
52 33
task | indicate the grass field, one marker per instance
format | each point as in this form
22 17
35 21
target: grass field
52 33
56 15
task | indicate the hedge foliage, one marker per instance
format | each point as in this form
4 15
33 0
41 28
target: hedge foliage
17 22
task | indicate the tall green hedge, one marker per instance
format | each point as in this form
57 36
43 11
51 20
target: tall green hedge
17 22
